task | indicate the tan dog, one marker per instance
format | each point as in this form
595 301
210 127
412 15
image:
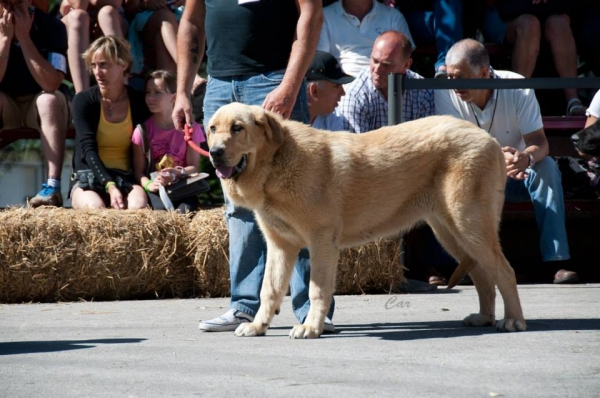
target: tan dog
326 191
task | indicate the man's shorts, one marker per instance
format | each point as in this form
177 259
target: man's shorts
22 112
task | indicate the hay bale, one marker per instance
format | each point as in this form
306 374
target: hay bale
56 254
371 268
53 254
209 252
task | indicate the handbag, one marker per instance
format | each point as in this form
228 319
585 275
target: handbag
191 186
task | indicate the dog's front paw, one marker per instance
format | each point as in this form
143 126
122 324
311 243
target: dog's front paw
248 329
511 325
304 332
478 320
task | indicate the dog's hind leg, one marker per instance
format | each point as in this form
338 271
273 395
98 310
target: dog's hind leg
323 268
480 241
452 241
281 257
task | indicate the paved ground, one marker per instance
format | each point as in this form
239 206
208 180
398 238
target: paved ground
398 345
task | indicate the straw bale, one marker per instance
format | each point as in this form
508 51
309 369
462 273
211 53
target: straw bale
56 254
371 268
209 250
53 254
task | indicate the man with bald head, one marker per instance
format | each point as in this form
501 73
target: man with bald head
513 117
364 107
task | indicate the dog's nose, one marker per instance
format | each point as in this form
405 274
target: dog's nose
575 138
216 152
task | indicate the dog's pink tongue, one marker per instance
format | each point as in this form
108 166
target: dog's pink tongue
224 171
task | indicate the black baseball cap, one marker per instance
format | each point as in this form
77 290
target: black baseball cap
325 67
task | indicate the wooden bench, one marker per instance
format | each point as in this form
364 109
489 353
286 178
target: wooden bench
7 137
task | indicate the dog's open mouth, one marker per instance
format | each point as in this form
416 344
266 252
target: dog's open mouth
225 172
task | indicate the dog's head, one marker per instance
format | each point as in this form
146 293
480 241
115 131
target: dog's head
587 143
237 134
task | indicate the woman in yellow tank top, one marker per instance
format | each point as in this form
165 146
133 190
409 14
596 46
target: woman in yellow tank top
104 117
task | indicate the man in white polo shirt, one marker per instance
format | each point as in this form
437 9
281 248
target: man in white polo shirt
513 117
350 28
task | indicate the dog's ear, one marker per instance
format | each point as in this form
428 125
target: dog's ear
270 123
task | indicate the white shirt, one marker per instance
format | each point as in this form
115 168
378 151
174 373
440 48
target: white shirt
594 109
508 115
350 41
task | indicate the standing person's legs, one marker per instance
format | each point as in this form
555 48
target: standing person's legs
247 248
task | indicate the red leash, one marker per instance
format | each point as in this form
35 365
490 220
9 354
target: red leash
188 131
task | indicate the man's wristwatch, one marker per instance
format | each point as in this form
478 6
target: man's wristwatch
531 161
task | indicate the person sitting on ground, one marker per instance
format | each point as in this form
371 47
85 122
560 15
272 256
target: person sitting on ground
104 117
350 28
365 107
85 20
436 22
166 143
33 64
524 33
512 116
325 80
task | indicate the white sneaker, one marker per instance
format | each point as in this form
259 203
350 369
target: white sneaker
328 326
227 322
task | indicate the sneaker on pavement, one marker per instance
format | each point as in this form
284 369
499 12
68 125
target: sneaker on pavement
48 196
415 286
328 326
227 322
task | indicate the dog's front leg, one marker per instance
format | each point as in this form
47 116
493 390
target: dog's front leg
323 267
281 257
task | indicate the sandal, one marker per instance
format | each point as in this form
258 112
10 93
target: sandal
575 107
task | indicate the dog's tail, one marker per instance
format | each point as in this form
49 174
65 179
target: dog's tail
463 268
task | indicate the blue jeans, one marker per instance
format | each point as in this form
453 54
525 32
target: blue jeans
442 26
493 27
247 247
543 187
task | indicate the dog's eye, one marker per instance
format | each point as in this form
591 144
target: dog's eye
212 129
236 128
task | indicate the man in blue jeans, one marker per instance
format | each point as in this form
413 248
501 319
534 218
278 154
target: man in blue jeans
258 54
513 117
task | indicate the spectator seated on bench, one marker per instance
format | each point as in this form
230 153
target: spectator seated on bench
522 25
29 97
513 117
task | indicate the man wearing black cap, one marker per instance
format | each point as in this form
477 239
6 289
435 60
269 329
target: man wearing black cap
324 90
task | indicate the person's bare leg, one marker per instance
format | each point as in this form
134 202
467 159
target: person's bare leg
524 34
160 32
564 51
110 21
78 28
53 132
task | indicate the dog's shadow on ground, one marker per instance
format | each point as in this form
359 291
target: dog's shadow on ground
446 329
32 347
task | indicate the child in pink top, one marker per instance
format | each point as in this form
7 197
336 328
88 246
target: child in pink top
169 153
